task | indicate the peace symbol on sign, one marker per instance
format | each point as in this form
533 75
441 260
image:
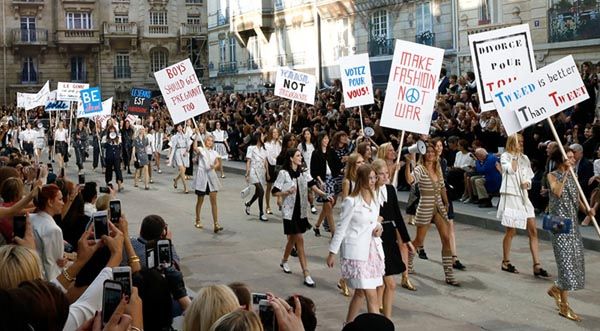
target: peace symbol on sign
412 95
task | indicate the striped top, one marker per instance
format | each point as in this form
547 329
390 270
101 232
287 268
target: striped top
431 201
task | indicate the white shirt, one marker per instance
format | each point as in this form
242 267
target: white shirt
463 160
60 135
28 136
597 167
273 149
48 242
150 148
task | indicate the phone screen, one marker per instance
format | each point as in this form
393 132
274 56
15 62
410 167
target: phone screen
256 297
164 254
111 297
267 316
100 226
150 262
81 179
115 211
19 224
123 277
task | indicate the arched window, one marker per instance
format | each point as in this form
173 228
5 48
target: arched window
158 59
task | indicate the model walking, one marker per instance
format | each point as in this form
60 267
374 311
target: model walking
180 146
273 149
221 145
256 172
140 158
112 154
60 144
206 181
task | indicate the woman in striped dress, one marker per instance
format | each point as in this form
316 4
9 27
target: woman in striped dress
433 206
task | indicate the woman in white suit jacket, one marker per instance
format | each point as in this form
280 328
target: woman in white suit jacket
357 238
515 209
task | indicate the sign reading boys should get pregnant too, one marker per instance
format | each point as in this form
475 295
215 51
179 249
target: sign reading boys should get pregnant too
356 80
181 91
295 85
412 87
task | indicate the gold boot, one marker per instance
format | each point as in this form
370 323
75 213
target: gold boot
343 287
566 312
555 293
217 227
199 224
407 284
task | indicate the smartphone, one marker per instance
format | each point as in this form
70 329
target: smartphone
114 207
165 255
257 297
50 168
267 316
104 189
100 219
123 276
150 257
81 179
19 225
111 297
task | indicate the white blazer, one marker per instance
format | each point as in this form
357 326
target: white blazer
512 179
354 230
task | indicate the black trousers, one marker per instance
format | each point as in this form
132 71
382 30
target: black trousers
28 148
113 165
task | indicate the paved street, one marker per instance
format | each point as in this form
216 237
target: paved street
249 250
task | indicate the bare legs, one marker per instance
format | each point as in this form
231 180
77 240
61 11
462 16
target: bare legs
181 175
213 208
533 242
327 212
357 301
268 197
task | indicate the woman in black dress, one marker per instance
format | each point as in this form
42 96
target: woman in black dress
292 186
127 145
394 230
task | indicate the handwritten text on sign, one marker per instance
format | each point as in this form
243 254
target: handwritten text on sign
499 57
412 86
139 101
295 85
92 103
70 91
548 91
356 80
181 91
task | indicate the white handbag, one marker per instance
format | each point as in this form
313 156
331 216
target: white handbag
515 218
247 191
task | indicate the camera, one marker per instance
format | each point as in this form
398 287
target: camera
123 276
100 220
19 225
111 297
114 207
267 316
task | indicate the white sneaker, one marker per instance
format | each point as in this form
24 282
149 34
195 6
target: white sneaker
285 267
308 281
313 209
263 218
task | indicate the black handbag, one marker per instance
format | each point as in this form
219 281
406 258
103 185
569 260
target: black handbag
136 164
557 224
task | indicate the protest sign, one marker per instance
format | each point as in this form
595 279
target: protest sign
70 91
39 99
356 80
139 101
106 110
181 91
52 104
24 99
548 91
499 57
295 85
92 102
412 87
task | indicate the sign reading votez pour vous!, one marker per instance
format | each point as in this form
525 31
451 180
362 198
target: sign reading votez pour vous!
70 91
295 85
499 57
181 91
537 96
412 87
139 101
356 80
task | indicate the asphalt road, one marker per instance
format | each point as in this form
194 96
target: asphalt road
250 251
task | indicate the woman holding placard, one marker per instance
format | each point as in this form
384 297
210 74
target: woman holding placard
515 209
206 181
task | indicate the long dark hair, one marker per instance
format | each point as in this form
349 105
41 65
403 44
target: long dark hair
320 138
304 139
284 148
287 163
257 137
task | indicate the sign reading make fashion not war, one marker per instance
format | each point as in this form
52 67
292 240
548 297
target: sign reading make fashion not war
500 57
181 91
91 101
356 80
70 91
412 87
139 101
295 85
539 95
52 104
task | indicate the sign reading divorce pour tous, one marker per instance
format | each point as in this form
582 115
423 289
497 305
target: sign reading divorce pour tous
548 91
412 87
181 91
356 80
295 85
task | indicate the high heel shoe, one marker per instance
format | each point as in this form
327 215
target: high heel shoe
174 183
566 312
198 224
540 272
405 283
555 293
317 231
343 286
217 227
269 212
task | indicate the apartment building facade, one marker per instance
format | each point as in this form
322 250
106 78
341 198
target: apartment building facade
248 40
114 44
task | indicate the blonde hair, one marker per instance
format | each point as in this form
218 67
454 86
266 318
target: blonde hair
436 162
211 304
512 143
102 202
238 320
350 172
382 150
18 264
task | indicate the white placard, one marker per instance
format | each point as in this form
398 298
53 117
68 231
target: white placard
52 104
40 98
106 110
548 91
181 91
70 91
356 80
412 87
295 85
24 99
499 57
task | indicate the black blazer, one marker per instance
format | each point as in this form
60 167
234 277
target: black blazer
319 162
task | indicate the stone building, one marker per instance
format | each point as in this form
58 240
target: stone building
114 44
248 40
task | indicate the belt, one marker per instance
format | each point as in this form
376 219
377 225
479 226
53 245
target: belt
387 222
219 142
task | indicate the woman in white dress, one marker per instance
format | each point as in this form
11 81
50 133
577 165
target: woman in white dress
180 145
273 148
60 145
515 210
306 147
40 142
221 145
206 181
256 172
358 235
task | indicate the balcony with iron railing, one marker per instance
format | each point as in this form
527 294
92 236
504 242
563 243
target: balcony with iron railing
81 37
120 29
425 38
298 58
570 21
33 37
381 47
228 68
122 72
282 60
287 4
218 18
254 64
